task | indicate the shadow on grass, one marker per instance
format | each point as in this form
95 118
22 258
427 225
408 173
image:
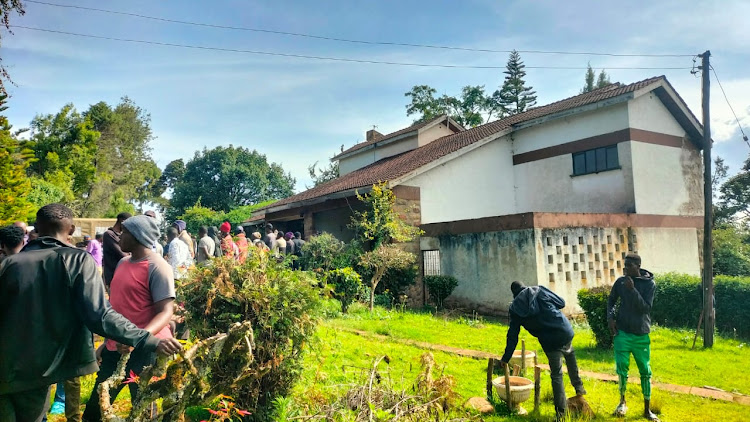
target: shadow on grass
594 353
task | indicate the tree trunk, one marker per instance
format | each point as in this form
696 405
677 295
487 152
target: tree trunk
373 284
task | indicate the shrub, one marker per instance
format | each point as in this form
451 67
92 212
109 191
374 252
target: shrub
594 304
346 285
440 287
281 304
677 303
322 253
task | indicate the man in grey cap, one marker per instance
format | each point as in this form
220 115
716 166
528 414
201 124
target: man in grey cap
142 290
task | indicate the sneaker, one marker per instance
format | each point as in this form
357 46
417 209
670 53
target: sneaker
58 408
621 410
651 417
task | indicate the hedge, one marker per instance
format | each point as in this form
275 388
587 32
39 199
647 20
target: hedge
678 303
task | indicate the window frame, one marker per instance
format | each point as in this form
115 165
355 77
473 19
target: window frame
589 160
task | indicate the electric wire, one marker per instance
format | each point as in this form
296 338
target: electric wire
346 40
744 137
324 58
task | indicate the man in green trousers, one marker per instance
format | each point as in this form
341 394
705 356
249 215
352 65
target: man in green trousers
630 325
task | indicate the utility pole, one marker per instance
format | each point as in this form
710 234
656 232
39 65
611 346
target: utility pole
708 273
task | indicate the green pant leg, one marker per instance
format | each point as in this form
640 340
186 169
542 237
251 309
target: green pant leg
622 346
642 355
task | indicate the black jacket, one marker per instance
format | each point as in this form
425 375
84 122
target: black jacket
634 313
51 299
537 309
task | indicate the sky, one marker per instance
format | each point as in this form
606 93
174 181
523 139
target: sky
299 111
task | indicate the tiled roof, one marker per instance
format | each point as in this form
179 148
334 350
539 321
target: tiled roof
412 128
393 167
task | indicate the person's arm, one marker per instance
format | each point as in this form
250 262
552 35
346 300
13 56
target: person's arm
611 302
164 310
642 303
511 339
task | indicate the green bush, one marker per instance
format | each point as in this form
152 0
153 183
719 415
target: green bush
323 253
731 253
440 287
346 285
677 303
594 304
281 304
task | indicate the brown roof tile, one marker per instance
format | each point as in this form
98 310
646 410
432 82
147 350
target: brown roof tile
399 165
412 128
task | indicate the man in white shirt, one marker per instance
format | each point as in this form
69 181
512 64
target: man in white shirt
178 255
206 246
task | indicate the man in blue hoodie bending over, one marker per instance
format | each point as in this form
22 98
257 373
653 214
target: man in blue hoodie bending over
537 309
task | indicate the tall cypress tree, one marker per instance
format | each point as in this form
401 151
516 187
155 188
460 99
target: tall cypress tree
14 185
590 77
514 96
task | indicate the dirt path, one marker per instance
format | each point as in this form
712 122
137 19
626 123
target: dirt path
476 354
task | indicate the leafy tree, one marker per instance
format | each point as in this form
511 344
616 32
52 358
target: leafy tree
731 253
7 7
735 193
602 80
378 223
382 259
323 174
226 178
467 109
14 185
514 96
44 192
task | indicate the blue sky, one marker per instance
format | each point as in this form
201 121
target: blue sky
299 111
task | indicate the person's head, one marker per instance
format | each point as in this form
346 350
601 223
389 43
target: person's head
517 287
138 233
213 231
121 217
55 220
632 265
289 236
256 235
298 235
179 225
11 239
239 230
202 231
86 239
172 234
99 237
150 213
21 225
225 228
276 232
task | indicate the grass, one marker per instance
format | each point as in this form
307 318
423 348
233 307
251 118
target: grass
672 359
339 357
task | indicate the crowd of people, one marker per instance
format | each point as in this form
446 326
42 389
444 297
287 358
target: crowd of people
121 284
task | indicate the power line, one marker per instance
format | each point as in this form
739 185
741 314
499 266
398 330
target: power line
354 41
744 137
326 58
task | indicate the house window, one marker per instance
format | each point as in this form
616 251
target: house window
595 160
431 261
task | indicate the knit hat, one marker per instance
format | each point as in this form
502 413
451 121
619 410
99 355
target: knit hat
143 228
256 235
180 225
240 229
289 235
225 227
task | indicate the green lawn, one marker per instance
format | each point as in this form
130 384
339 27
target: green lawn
672 359
334 361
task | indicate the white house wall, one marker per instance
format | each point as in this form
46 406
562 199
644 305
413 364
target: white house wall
477 184
354 162
547 185
435 132
664 250
571 128
647 112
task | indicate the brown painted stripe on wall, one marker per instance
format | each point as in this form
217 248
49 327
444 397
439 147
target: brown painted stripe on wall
559 220
600 141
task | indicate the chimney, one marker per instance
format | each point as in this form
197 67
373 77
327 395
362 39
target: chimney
373 135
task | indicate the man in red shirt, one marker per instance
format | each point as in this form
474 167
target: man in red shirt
142 290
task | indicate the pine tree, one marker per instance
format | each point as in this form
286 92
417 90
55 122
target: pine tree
14 184
514 96
603 80
590 77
